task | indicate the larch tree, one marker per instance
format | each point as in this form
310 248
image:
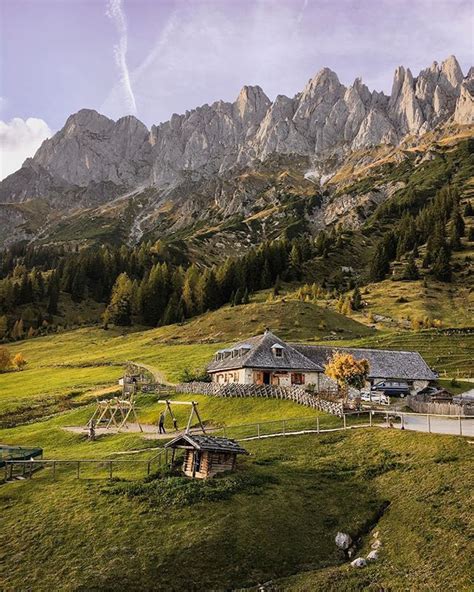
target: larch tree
119 311
19 361
347 371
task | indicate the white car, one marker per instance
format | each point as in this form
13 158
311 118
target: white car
378 398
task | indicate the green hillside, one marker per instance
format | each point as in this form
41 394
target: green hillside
276 517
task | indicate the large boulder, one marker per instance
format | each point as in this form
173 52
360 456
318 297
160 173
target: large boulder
343 540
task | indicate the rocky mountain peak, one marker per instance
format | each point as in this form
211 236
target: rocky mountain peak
251 105
452 71
324 122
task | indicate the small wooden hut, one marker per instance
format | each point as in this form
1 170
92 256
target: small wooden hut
205 456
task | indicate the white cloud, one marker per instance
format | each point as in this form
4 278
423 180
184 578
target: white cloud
116 13
20 139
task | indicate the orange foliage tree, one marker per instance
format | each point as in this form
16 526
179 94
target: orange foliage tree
19 361
347 371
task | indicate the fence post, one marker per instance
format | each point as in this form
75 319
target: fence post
258 430
460 425
370 418
148 467
317 424
284 427
54 470
429 422
345 422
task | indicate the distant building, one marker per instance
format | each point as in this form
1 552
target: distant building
266 359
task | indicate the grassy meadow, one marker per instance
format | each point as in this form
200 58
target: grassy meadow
66 369
273 520
295 494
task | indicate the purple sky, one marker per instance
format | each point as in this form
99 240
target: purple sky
157 57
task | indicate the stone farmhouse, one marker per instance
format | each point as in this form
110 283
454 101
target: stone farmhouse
266 359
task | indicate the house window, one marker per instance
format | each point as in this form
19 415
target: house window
297 378
278 353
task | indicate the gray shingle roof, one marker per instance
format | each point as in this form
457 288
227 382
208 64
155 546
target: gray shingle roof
203 442
405 365
261 356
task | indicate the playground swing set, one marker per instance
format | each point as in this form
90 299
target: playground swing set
194 412
116 413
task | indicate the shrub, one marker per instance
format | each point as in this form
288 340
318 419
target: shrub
181 491
195 375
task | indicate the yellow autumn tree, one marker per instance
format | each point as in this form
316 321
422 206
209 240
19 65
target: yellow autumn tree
19 361
347 371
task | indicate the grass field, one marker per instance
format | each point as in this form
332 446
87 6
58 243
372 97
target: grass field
405 301
65 369
275 521
297 493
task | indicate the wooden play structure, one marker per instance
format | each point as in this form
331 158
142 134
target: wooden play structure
114 413
194 412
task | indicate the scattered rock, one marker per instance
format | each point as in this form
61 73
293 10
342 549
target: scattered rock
359 562
376 534
343 540
373 555
376 544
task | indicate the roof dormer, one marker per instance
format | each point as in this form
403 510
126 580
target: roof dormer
277 350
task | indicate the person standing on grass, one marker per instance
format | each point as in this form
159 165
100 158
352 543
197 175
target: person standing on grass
161 423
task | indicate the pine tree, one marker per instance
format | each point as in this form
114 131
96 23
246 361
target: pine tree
442 266
53 294
410 271
277 286
380 264
238 297
468 210
245 297
356 300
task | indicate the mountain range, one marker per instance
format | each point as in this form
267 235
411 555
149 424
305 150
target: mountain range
97 179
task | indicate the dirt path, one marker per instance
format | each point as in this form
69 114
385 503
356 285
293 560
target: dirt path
158 376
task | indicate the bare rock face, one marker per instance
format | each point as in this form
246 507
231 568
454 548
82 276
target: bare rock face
325 122
91 147
464 111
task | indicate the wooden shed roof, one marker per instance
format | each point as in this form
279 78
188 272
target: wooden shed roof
204 442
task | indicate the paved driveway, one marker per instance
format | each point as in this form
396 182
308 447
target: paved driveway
438 425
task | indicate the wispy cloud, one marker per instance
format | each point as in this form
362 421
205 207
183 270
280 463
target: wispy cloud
20 139
207 50
116 13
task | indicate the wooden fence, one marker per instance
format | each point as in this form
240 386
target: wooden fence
293 393
436 408
107 466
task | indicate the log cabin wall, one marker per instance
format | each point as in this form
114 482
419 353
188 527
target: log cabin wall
212 463
220 462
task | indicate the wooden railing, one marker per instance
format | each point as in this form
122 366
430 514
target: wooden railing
107 466
293 393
